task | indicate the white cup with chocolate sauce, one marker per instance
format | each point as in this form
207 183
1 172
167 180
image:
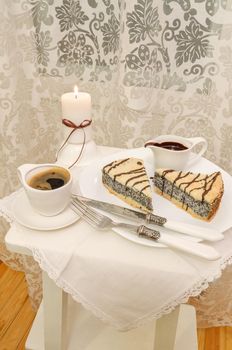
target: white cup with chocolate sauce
176 152
48 187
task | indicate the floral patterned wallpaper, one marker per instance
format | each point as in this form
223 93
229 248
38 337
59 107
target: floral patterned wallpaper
152 67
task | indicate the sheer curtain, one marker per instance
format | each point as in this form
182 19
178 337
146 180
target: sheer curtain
151 67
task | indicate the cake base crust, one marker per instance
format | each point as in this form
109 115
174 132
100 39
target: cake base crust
188 209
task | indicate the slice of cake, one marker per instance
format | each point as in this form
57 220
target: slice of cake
199 194
128 180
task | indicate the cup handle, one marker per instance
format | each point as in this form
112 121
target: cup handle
195 141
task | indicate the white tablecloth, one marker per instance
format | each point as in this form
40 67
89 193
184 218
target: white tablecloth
122 283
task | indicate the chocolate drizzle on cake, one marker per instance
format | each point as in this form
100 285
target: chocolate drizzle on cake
199 193
136 177
144 188
113 164
203 181
134 171
140 171
129 179
210 183
165 172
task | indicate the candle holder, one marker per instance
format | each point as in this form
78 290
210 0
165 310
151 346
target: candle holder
85 153
78 147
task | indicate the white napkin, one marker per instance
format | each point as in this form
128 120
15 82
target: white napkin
121 282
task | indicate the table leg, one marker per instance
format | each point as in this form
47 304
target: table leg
55 309
177 330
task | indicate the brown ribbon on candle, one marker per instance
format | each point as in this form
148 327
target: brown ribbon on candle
75 127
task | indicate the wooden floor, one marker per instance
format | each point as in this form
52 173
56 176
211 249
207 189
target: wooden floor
16 317
16 314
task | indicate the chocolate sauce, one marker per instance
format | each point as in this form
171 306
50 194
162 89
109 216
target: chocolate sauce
173 146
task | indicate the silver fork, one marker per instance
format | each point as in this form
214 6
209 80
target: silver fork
102 222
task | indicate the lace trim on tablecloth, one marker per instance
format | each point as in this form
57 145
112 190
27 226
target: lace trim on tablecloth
4 203
181 299
61 283
16 261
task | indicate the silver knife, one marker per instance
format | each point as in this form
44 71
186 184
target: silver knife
204 233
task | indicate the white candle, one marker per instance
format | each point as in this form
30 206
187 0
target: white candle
76 107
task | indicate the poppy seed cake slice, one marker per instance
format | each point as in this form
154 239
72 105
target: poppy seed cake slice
128 180
199 194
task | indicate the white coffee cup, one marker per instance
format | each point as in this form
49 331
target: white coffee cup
46 202
172 158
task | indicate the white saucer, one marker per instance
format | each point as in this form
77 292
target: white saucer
26 216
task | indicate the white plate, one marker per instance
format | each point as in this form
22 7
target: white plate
90 184
26 216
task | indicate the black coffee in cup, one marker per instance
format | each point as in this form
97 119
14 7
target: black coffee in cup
49 179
